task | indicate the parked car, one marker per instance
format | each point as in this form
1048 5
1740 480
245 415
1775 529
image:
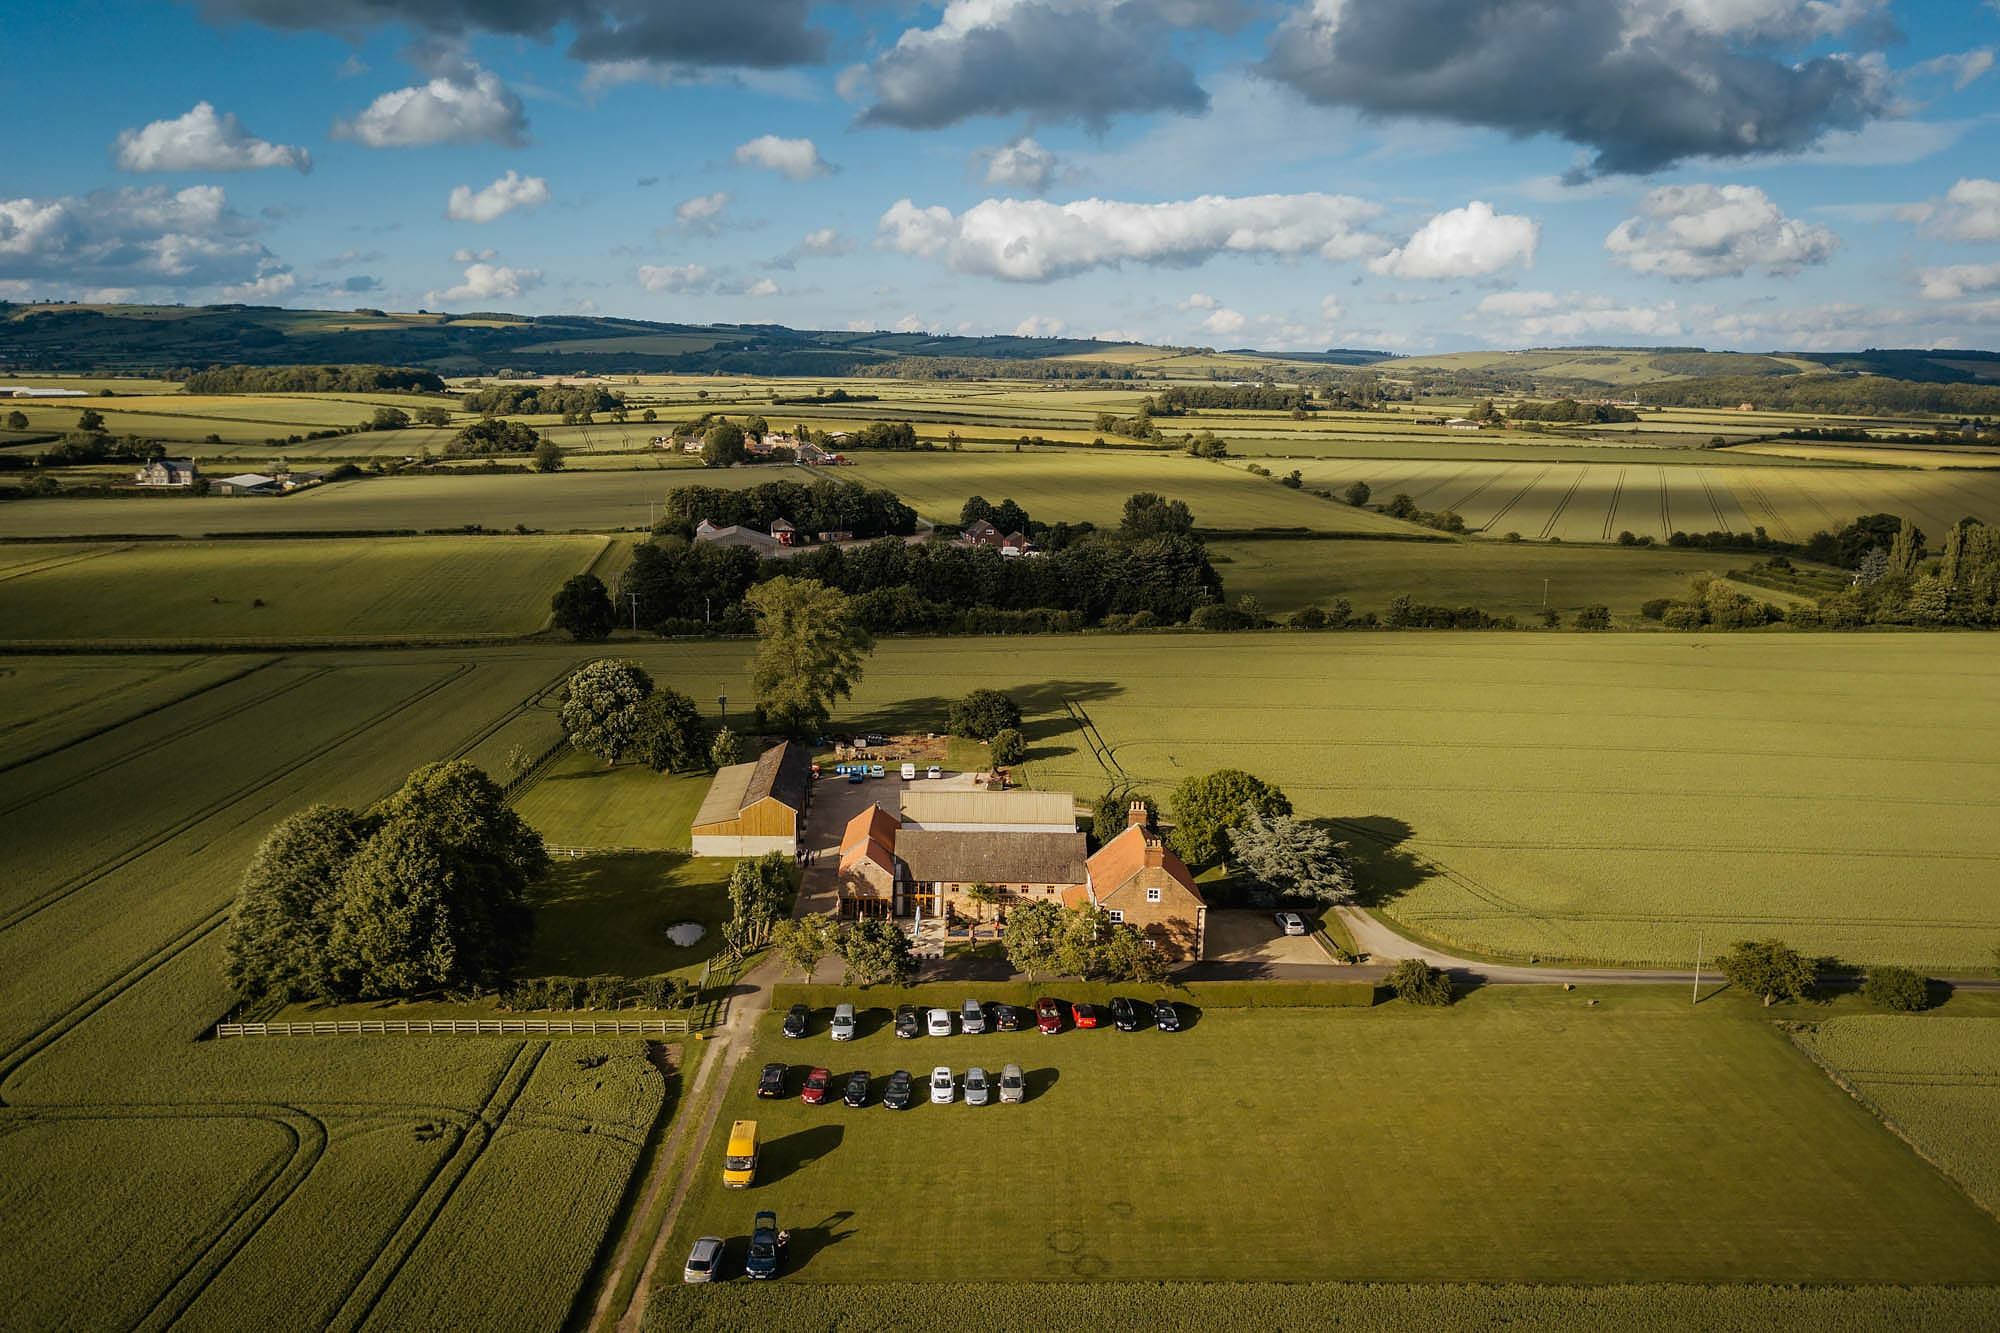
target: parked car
1291 923
935 771
1006 1018
703 1260
942 1087
1084 1015
939 1023
909 772
977 1091
1166 1016
877 738
771 1083
1048 1016
796 1019
1013 1085
878 770
972 1018
1124 1014
763 1258
857 1088
855 775
843 1022
908 1022
897 1095
817 1082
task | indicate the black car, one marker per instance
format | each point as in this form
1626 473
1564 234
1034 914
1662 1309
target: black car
857 1088
897 1095
764 1256
1165 1016
1124 1014
1006 1018
771 1083
796 1019
909 1023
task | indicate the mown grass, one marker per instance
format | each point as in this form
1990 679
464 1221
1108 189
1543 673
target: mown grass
1513 1138
580 801
287 591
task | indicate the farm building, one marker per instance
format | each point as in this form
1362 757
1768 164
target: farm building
756 807
868 871
1142 884
940 868
173 472
981 533
248 483
736 535
993 811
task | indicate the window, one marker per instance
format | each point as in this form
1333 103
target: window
1117 917
1152 895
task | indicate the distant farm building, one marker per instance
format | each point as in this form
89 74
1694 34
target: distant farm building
248 483
170 472
993 811
756 807
736 535
1461 423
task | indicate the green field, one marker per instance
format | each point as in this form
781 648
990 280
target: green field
1936 1080
580 802
285 591
1521 1138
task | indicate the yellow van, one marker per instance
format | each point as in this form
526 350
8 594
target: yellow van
739 1168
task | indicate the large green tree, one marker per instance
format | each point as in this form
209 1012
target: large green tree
1031 937
671 735
803 941
1208 808
1150 515
983 714
722 446
810 647
582 609
1297 859
601 707
877 952
1771 969
276 941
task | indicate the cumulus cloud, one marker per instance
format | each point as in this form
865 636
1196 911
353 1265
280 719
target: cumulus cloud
1224 320
1039 326
1022 165
1330 308
487 282
682 278
820 243
1713 231
1200 301
1468 242
467 255
512 191
1544 316
1026 240
764 35
761 287
275 282
1642 84
1957 280
149 236
202 140
703 213
1969 211
468 105
794 159
1084 60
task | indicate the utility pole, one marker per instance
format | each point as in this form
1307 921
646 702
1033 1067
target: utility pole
1697 968
635 611
722 706
1545 592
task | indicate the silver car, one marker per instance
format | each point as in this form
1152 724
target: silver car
971 1018
703 1260
843 1022
938 1022
1013 1085
943 1089
977 1090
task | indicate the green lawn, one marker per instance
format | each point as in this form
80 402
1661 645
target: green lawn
608 915
1517 1137
579 802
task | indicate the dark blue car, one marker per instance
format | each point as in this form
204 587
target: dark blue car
764 1253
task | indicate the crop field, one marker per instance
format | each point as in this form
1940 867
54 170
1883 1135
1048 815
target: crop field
1594 502
1936 1079
1352 1157
1500 578
294 1184
45 704
285 591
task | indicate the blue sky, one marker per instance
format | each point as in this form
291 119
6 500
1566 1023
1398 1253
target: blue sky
1285 174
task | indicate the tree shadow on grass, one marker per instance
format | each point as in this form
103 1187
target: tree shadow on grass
1043 715
1383 871
794 1152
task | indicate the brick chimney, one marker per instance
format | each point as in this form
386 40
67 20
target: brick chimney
1135 817
1156 852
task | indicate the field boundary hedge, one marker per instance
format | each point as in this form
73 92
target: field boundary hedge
1208 994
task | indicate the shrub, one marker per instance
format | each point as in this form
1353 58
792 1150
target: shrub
1008 747
1683 616
1593 617
1310 617
1897 988
1655 607
1418 982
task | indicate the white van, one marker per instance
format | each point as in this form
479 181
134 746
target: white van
909 772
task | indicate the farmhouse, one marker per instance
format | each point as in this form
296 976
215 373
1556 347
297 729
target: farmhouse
1461 423
755 807
941 866
1142 884
170 472
981 533
868 871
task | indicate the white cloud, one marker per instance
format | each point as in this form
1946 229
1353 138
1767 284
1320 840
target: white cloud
512 191
269 286
911 323
1468 242
761 287
1712 231
1330 308
795 159
464 106
703 213
142 237
1969 211
1024 240
1546 317
679 278
1021 165
1963 68
1224 320
486 282
1200 301
1956 280
201 140
1039 326
467 255
825 241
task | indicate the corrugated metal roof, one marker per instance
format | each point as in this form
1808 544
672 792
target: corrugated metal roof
781 771
929 808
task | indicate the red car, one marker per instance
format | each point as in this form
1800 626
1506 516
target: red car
817 1083
1048 1016
1084 1014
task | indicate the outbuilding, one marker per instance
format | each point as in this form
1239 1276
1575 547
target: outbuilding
756 807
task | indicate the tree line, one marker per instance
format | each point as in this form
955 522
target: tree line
823 505
1858 395
574 401
1570 410
311 379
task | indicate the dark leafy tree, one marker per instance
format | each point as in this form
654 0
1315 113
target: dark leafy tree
1208 808
983 714
1151 515
722 446
1897 988
877 952
1771 969
582 609
600 711
1008 747
1417 982
670 735
276 941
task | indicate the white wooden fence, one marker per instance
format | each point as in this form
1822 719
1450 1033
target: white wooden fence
474 1027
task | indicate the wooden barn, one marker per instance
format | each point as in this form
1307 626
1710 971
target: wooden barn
756 807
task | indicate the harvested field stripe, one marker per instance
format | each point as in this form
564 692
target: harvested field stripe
58 561
1458 505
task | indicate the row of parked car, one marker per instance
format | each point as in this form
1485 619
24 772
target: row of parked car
857 1088
1049 1016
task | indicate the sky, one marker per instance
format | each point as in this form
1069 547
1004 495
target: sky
1406 175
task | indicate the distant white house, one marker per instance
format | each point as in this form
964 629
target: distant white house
24 391
169 472
1461 423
